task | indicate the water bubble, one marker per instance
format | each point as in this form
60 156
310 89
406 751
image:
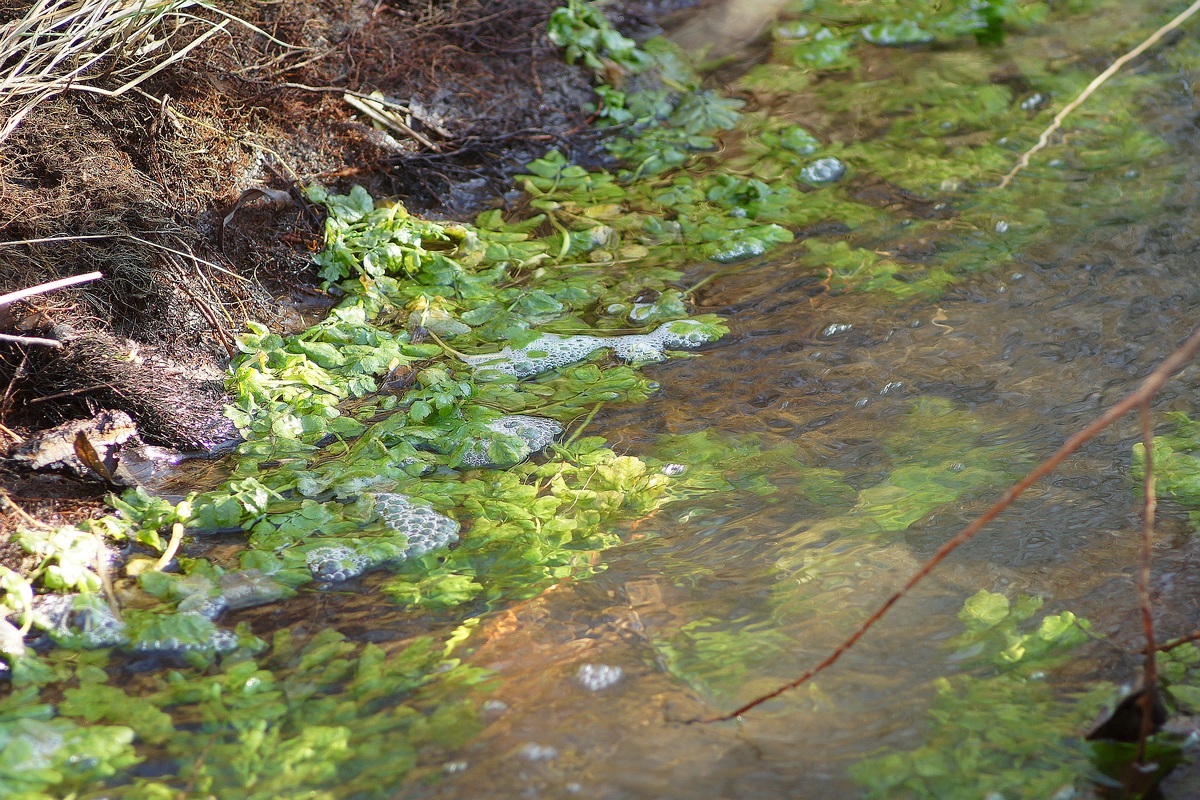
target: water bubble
792 30
673 470
539 752
1001 227
1032 102
595 677
424 528
835 328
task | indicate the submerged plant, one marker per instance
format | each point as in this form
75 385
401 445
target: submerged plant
446 395
1001 728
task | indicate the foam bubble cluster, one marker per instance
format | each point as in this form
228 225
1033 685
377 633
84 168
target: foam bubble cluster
551 351
548 351
823 170
80 621
531 434
422 529
595 677
425 528
335 563
183 632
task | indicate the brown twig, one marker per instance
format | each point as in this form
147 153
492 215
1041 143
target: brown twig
1044 139
42 288
1149 696
1182 640
1148 388
71 393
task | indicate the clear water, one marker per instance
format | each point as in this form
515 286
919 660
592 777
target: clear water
718 600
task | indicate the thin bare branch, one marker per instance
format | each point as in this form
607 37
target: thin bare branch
32 341
1180 642
1150 41
42 288
1149 696
1148 388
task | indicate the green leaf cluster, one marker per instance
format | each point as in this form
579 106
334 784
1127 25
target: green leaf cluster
1001 730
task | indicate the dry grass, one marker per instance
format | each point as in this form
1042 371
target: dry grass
106 47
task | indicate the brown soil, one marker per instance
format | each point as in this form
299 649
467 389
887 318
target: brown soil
156 170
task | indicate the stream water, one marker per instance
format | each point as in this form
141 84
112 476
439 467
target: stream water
715 601
1033 352
858 432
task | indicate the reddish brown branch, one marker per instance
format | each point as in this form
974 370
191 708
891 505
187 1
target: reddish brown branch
1182 640
1148 388
1149 696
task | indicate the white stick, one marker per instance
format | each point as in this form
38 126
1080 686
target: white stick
21 294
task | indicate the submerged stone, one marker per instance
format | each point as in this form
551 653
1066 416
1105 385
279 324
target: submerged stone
251 587
823 170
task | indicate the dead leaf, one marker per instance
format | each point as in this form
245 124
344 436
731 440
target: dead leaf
279 199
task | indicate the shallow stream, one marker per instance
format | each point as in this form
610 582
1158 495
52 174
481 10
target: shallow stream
715 601
853 432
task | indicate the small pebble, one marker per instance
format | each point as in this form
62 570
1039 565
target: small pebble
823 170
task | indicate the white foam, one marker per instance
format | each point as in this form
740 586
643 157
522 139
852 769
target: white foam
551 351
595 677
535 434
335 563
425 528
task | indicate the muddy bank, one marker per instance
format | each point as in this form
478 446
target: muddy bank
150 188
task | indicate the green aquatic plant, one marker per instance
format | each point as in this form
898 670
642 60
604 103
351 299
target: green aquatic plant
381 399
1176 463
1001 728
